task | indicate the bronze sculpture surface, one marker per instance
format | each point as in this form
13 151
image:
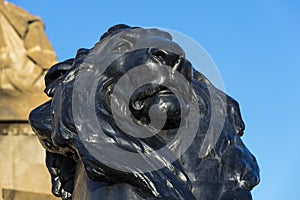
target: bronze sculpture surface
132 119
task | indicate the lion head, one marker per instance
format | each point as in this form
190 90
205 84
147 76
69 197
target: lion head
133 115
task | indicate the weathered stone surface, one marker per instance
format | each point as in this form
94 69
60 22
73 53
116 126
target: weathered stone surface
21 165
18 17
38 45
9 194
25 56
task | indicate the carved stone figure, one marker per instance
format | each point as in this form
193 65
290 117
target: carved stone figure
132 119
25 56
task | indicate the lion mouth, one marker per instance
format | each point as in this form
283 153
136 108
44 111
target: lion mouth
147 92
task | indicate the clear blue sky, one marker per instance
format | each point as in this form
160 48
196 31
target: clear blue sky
255 44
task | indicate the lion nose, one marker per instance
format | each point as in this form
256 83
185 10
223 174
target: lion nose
174 60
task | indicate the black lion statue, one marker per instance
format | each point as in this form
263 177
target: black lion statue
131 118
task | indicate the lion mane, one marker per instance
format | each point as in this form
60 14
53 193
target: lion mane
227 170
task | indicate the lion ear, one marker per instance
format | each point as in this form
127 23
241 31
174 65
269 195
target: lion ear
55 74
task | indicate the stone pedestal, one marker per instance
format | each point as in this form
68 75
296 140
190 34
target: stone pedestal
22 165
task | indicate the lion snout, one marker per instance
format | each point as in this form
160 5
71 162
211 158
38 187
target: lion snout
173 60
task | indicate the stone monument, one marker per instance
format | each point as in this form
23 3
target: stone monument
131 118
25 56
